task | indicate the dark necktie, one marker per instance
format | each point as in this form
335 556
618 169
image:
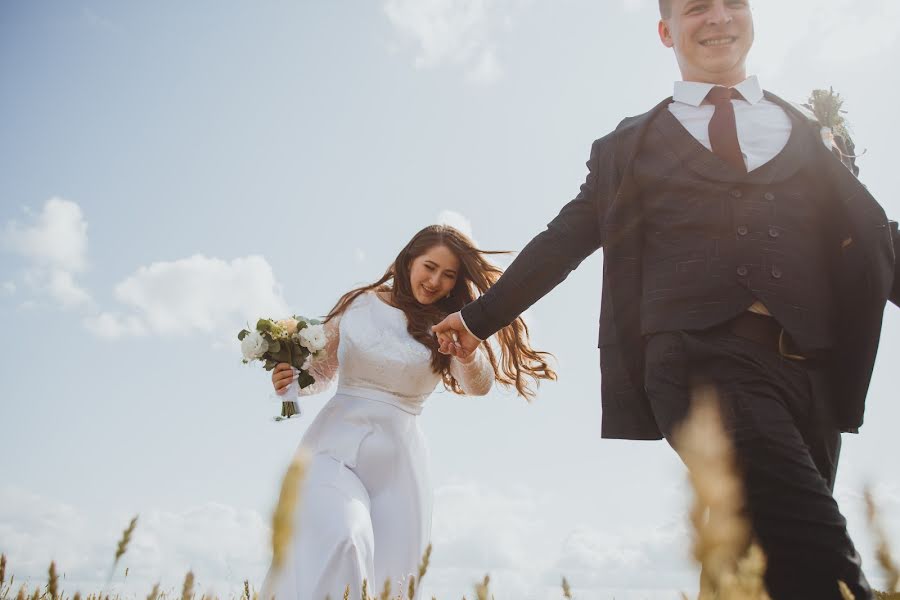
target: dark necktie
723 129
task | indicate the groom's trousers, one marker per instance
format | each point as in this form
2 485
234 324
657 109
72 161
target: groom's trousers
779 415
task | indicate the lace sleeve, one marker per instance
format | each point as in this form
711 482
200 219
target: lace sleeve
476 377
324 369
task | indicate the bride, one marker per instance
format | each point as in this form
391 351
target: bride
365 504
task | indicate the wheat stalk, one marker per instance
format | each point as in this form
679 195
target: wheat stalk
3 570
187 591
731 568
283 518
52 582
423 566
126 539
154 593
846 594
883 550
567 591
411 587
481 589
386 590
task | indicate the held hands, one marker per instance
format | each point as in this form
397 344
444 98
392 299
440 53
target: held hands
454 339
282 376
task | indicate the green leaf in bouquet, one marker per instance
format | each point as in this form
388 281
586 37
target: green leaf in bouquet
269 364
305 380
268 326
243 333
274 346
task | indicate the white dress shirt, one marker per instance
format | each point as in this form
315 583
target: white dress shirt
763 127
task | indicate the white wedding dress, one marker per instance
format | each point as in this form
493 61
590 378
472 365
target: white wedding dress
365 504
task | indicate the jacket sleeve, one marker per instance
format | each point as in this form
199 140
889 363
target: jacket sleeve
551 255
895 290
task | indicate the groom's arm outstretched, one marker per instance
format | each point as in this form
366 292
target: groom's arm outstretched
545 262
895 292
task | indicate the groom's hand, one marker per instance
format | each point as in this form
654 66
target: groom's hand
453 337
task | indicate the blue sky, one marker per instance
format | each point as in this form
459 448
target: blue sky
169 171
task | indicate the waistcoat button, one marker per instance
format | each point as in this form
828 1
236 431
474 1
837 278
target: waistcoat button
769 196
742 271
737 193
742 230
776 273
773 232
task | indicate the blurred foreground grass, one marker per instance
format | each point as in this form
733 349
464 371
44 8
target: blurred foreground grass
732 566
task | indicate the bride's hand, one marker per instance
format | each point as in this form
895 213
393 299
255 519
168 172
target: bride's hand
281 377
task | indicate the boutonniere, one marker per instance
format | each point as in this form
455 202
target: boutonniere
827 106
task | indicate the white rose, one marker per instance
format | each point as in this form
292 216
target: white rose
313 338
253 346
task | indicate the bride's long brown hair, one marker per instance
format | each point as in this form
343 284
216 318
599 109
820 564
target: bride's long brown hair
516 364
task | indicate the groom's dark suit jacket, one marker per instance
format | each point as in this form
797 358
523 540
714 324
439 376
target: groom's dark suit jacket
860 250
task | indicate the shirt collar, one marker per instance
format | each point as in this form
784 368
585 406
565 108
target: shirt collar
694 92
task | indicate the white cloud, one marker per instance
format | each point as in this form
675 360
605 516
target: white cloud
596 560
112 326
221 544
57 239
55 246
514 535
190 295
457 220
61 286
836 33
458 33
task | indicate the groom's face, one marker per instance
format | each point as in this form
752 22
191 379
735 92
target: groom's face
711 39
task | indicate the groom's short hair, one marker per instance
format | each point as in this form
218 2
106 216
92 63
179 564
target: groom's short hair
665 8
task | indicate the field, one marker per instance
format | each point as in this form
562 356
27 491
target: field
732 565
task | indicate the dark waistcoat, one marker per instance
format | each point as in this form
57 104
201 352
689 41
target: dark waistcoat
717 240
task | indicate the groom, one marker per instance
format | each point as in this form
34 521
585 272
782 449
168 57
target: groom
738 251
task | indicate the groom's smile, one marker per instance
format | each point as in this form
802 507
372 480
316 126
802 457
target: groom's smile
711 38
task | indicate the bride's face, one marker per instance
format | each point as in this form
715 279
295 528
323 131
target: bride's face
433 274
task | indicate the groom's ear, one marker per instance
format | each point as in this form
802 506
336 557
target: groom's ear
665 34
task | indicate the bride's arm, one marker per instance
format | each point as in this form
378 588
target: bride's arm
476 376
323 368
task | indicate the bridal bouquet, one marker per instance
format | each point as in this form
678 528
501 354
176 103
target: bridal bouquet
295 341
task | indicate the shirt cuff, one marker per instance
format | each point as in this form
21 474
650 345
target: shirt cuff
467 328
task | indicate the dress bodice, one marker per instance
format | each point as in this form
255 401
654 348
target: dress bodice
372 355
377 353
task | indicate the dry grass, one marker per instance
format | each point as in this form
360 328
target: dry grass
721 544
732 567
283 517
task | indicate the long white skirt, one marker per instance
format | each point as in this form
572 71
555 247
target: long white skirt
365 504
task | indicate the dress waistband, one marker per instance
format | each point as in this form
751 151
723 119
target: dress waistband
405 404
